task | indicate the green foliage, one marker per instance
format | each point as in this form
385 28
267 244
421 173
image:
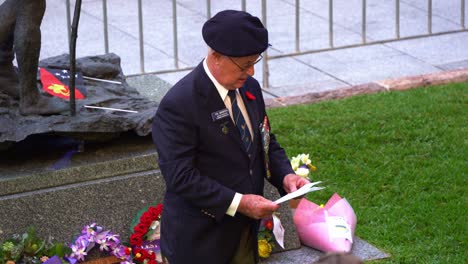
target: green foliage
266 234
29 248
400 160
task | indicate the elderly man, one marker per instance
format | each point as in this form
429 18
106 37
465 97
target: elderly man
20 34
211 131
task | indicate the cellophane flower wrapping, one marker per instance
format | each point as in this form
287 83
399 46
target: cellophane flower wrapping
328 228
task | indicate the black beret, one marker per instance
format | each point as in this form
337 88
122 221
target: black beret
235 33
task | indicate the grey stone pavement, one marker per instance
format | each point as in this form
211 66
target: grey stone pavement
288 76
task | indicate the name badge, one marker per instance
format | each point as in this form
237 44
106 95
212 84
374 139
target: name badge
215 116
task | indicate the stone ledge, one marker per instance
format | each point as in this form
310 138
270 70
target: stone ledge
61 212
399 84
325 95
98 161
86 173
425 80
361 249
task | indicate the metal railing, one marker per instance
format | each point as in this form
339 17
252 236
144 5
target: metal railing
298 51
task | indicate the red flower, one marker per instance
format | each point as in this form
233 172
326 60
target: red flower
147 218
269 225
140 229
250 96
128 251
151 255
136 240
140 254
156 211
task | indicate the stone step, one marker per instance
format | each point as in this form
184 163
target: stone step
106 183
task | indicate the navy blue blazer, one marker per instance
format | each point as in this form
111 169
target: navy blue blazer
204 165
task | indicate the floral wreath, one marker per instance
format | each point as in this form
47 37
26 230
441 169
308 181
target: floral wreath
265 237
145 230
108 242
93 235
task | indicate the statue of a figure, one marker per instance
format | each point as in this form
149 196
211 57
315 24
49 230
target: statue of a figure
20 35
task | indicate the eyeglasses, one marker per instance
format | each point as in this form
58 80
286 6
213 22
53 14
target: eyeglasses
243 69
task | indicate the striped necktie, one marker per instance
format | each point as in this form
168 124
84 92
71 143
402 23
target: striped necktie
240 123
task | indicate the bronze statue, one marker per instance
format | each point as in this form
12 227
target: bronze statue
20 35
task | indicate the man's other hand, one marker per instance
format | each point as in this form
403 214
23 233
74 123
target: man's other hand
292 182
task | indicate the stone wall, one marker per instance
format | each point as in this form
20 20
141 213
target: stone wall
107 184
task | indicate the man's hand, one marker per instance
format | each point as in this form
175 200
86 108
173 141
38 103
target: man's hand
256 206
292 182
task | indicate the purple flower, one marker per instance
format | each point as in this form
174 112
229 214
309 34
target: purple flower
113 237
103 244
79 249
119 252
101 236
93 234
113 245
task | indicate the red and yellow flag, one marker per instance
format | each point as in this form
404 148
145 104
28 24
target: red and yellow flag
56 83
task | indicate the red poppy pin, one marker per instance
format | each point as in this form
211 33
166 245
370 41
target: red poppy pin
250 96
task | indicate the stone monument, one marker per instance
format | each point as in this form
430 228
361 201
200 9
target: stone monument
20 35
25 109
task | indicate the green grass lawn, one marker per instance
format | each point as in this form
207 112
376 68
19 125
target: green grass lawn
400 159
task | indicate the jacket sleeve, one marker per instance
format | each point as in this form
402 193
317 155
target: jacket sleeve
175 135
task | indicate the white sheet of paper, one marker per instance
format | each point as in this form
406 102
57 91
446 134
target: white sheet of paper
303 190
278 231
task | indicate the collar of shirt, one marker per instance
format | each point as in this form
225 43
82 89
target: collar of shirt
227 102
221 90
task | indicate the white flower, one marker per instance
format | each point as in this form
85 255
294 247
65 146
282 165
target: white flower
305 159
303 172
295 163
